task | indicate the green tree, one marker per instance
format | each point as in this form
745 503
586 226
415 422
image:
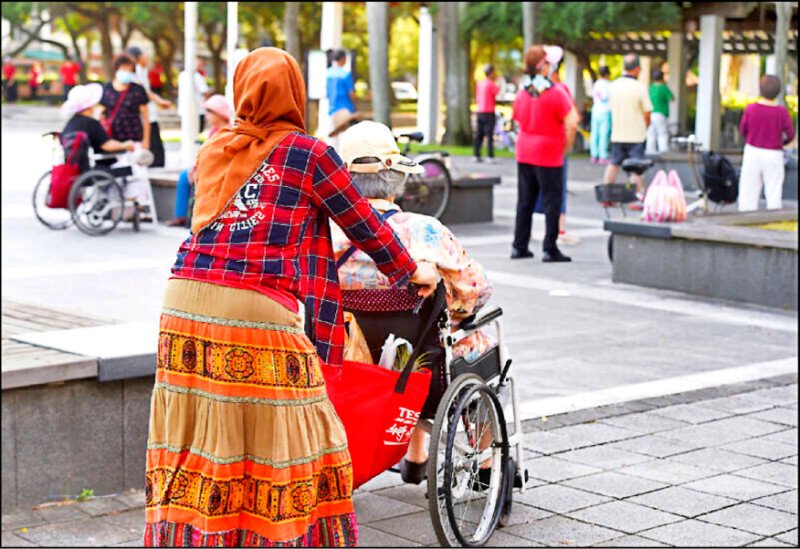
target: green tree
570 24
162 24
29 19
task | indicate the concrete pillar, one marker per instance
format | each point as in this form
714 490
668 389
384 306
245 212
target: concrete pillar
377 25
783 12
428 104
676 81
330 37
190 121
572 73
232 39
646 63
528 25
707 124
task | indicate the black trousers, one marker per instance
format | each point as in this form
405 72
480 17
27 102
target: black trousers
485 129
532 180
67 87
156 146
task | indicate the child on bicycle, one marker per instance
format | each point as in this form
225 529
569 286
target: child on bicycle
80 103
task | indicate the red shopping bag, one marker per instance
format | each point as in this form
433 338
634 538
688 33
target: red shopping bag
63 175
378 408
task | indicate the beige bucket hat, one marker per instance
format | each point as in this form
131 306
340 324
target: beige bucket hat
370 138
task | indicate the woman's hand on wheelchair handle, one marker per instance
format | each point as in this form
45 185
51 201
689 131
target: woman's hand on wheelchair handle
426 276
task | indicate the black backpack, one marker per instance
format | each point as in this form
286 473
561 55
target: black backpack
720 178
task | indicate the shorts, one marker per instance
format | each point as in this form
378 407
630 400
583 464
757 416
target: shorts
621 151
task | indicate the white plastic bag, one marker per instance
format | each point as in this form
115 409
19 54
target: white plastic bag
389 351
664 200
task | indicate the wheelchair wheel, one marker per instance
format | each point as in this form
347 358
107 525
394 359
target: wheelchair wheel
96 202
53 218
467 503
427 193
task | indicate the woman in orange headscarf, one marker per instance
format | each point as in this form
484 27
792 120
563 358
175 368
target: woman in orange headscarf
244 447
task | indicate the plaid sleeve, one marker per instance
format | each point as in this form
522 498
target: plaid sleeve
336 194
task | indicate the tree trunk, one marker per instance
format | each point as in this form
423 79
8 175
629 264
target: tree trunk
783 11
291 17
108 49
167 59
458 129
377 24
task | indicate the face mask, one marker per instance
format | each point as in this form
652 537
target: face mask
124 77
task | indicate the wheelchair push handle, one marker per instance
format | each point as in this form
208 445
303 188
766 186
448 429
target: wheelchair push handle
414 289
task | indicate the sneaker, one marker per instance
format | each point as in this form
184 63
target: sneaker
490 160
565 239
593 160
555 256
602 161
477 159
637 206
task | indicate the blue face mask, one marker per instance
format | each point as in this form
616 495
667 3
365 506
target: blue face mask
124 77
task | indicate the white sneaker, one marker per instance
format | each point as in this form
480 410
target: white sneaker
490 160
565 239
477 159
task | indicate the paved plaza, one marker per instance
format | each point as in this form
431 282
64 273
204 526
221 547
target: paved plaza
653 418
716 467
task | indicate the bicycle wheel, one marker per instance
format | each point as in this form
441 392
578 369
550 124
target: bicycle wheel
96 202
427 193
468 500
53 218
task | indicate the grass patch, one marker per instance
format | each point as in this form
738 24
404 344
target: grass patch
455 150
779 226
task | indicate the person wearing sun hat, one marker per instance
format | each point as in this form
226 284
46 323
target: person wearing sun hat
373 159
80 105
219 114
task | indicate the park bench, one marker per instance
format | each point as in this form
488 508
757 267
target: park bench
471 199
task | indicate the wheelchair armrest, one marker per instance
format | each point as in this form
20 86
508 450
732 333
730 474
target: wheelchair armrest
480 319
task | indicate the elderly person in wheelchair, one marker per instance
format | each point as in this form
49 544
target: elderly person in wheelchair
371 154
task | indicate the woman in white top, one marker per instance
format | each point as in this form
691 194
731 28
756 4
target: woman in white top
601 118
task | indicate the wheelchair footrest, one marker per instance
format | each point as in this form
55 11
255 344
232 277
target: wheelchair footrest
486 366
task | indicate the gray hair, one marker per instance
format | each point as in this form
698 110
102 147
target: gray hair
381 184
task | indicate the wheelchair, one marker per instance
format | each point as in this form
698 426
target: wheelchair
463 412
96 201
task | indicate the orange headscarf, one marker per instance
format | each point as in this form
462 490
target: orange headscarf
270 99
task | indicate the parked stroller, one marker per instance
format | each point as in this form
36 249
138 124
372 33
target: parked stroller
471 472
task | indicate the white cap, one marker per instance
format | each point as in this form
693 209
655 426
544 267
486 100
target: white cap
370 138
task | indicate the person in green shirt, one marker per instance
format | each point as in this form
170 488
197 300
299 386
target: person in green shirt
657 132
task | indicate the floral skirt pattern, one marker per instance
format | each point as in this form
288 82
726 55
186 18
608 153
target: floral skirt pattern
244 447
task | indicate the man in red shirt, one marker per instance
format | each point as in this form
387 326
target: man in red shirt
9 85
485 97
68 71
154 75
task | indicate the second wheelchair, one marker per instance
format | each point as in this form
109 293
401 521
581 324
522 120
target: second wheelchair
96 202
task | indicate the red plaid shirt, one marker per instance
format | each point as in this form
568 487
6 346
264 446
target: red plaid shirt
274 235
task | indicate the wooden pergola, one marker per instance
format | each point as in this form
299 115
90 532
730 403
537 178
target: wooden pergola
654 44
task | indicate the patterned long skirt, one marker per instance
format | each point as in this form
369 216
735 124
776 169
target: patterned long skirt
244 447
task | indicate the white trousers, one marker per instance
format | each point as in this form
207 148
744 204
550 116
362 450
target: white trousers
657 134
761 167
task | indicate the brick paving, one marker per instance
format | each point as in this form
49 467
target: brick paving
715 467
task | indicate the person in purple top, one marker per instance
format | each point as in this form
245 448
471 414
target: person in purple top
766 128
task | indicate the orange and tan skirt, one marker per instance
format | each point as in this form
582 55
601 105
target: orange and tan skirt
244 447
